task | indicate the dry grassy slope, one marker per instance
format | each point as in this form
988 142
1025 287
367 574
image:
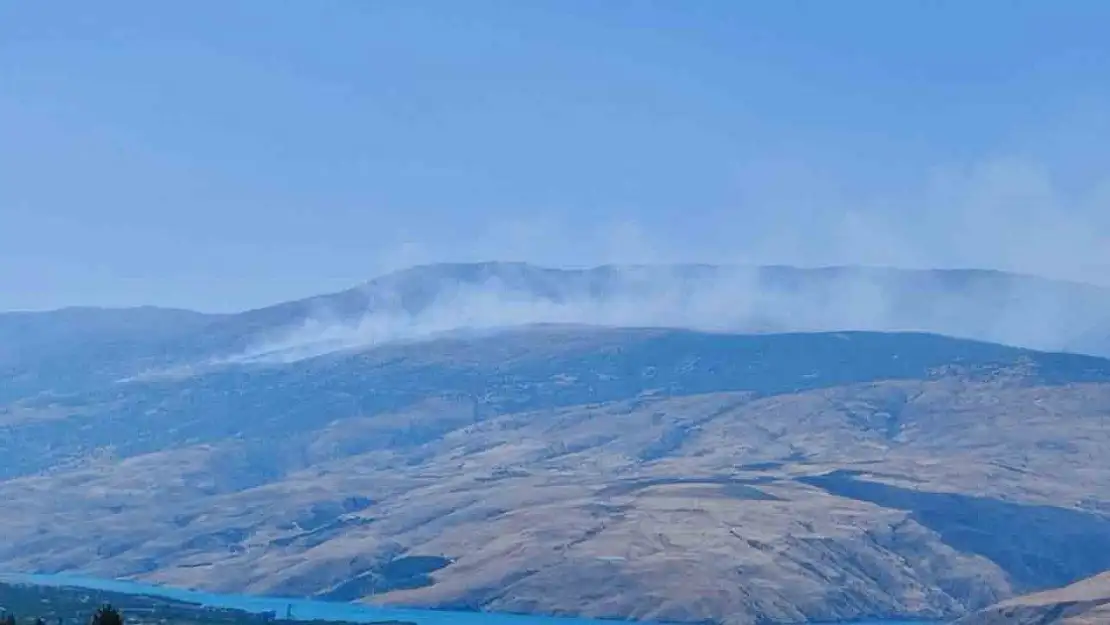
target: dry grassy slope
1084 603
681 508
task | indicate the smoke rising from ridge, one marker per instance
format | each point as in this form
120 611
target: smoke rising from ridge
432 300
1007 214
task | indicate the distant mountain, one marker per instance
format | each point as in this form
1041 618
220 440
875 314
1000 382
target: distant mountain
80 349
983 305
677 444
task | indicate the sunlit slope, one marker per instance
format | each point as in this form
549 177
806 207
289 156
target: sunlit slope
1084 603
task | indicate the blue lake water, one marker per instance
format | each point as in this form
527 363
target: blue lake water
306 609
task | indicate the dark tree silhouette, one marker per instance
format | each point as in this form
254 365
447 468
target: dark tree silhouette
107 615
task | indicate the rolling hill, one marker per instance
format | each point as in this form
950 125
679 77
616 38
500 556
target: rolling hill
467 446
86 348
1084 603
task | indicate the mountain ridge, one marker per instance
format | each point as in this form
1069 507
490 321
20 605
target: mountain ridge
458 438
79 348
606 276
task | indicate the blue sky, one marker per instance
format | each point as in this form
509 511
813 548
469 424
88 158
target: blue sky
224 155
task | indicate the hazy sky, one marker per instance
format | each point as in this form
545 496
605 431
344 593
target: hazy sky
221 155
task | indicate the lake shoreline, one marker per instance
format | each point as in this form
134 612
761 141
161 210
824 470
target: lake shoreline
304 609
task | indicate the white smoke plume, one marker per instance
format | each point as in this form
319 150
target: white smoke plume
988 306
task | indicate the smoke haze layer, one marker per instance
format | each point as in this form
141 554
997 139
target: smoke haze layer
431 300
